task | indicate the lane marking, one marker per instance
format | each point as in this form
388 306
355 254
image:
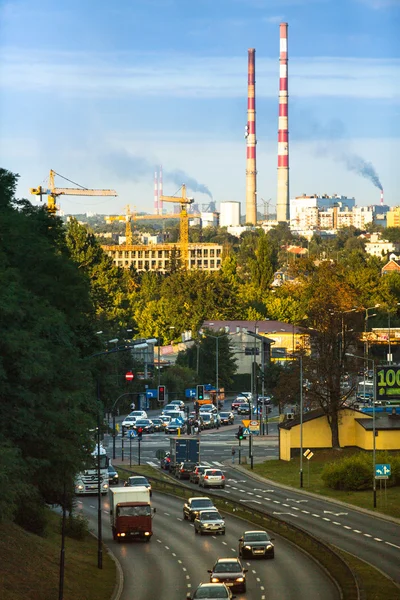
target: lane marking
314 515
325 519
394 545
307 512
378 539
336 523
368 535
357 531
346 527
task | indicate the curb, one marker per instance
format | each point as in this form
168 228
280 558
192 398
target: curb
119 584
313 495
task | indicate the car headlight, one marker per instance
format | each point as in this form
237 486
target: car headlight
214 580
269 546
247 547
240 579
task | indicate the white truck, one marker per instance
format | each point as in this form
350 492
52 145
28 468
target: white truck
87 480
130 513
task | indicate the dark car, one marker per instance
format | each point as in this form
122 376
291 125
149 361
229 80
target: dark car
256 543
243 409
211 591
209 521
138 480
226 418
193 506
195 474
158 424
113 477
145 424
185 469
229 571
173 427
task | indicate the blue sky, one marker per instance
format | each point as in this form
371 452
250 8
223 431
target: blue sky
102 93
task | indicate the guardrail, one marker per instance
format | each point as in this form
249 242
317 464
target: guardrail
322 553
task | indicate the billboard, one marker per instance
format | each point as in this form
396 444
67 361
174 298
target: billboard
388 382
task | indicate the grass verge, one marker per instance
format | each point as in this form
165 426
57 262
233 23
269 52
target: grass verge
29 565
373 585
287 473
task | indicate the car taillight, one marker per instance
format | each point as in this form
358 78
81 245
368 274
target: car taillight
205 476
223 477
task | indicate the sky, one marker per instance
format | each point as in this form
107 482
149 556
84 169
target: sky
102 92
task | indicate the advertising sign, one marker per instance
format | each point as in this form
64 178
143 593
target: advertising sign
388 382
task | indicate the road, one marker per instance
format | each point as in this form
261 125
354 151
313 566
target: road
176 560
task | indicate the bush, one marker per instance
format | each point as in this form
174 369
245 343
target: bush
76 527
351 473
31 514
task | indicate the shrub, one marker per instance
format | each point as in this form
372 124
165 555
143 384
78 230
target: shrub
351 473
76 527
31 514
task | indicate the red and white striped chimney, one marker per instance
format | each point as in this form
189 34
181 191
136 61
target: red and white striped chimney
381 197
160 191
282 203
251 172
155 192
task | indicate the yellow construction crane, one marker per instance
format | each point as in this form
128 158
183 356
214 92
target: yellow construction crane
184 222
127 218
53 192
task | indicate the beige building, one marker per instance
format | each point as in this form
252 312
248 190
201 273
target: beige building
333 218
378 247
393 217
156 257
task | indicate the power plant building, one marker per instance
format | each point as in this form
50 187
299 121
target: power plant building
229 214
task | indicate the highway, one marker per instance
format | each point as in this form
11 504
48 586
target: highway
176 560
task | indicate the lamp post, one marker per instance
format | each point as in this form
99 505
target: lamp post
113 416
373 425
389 356
367 316
301 420
216 338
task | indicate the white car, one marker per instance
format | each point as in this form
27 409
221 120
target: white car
208 408
139 414
179 404
128 422
212 478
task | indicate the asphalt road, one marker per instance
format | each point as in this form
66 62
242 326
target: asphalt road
176 560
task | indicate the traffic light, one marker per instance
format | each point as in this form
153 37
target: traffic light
139 434
161 394
200 392
240 434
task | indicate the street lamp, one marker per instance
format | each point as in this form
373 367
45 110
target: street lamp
389 356
216 338
373 425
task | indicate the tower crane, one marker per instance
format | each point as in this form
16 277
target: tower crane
184 222
53 192
127 218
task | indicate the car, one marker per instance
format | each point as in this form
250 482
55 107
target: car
138 480
175 425
211 591
165 462
165 420
184 470
128 423
113 477
229 571
212 478
207 408
243 409
240 399
178 403
195 474
209 521
194 505
256 543
176 414
207 420
168 407
158 424
145 424
227 418
140 414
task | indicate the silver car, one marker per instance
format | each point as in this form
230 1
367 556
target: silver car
212 478
209 521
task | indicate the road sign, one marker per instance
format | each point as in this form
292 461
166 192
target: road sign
254 427
131 433
129 376
246 431
308 454
388 382
382 471
246 422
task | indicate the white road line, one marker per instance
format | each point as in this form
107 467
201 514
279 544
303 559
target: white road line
173 554
325 519
91 506
276 501
258 496
295 508
179 561
187 576
394 545
346 527
307 512
167 514
184 569
267 498
258 579
369 535
250 494
159 541
215 462
357 531
378 540
283 504
225 543
239 491
166 547
314 515
336 523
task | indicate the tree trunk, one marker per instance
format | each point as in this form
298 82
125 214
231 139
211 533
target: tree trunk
334 425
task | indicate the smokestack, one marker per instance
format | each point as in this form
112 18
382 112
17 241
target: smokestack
155 193
160 192
251 173
381 197
282 204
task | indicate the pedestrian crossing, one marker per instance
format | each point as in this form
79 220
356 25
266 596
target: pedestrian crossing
213 463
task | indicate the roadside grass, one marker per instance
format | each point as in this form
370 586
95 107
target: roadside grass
287 473
29 565
373 584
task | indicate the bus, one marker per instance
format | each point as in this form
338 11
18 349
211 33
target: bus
86 481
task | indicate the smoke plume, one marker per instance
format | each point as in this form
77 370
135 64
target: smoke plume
134 168
356 163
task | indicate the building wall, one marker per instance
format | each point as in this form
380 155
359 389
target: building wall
393 217
285 445
206 257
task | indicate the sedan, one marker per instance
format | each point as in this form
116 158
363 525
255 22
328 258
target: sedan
195 474
229 571
128 422
207 408
158 424
145 424
211 591
178 404
175 425
113 478
193 506
138 480
209 521
185 469
256 543
227 418
212 478
207 420
243 409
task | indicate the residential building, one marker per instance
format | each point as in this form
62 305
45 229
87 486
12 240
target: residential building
393 217
380 247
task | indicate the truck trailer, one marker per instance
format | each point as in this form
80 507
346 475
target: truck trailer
182 449
130 513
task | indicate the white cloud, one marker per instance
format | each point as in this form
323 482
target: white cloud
185 76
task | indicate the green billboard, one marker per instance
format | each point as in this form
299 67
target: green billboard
388 382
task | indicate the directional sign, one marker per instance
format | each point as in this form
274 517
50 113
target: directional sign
246 422
388 383
382 471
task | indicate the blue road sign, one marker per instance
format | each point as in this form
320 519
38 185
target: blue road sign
132 433
246 431
383 471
